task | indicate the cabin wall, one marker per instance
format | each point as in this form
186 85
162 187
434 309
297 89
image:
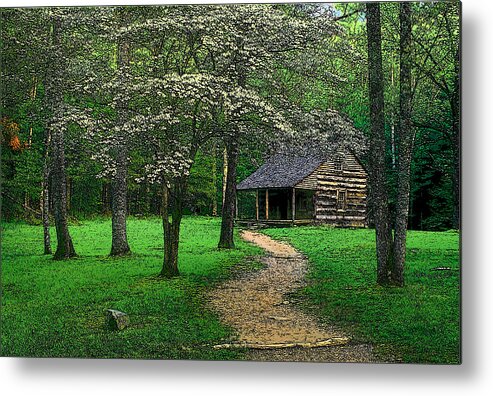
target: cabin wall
341 197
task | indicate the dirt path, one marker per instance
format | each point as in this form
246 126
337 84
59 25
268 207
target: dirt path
265 320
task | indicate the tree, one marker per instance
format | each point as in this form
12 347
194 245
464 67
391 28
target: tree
119 243
391 249
378 183
57 126
404 146
262 35
174 130
45 195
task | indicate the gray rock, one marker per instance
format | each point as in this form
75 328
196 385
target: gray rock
116 320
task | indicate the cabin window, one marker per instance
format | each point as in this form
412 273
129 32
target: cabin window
341 200
338 163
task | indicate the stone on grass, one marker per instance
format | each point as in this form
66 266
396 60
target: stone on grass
117 320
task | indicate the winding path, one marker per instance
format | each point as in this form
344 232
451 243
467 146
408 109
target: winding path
266 322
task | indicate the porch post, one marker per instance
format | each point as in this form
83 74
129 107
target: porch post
266 204
293 205
256 205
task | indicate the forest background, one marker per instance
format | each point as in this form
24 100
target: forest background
337 80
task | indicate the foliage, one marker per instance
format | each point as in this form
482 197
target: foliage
435 71
288 63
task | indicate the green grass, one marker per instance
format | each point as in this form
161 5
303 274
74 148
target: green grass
55 308
419 323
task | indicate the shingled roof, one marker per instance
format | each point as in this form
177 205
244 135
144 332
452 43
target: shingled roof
281 171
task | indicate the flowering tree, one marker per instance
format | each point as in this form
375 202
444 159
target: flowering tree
179 114
173 122
110 85
119 243
254 43
232 47
183 90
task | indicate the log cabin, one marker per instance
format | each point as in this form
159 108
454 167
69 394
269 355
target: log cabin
295 190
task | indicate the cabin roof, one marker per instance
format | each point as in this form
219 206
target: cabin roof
281 171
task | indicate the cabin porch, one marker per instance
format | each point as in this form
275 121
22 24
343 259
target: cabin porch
275 206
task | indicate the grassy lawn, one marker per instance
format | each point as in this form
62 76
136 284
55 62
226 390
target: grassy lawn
420 322
55 308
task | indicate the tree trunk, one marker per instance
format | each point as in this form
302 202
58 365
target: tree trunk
456 141
27 204
225 173
214 180
405 143
33 94
147 199
45 217
69 194
45 198
377 146
392 119
105 198
65 248
226 239
119 243
172 199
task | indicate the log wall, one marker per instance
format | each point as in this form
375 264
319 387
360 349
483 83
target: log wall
341 194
